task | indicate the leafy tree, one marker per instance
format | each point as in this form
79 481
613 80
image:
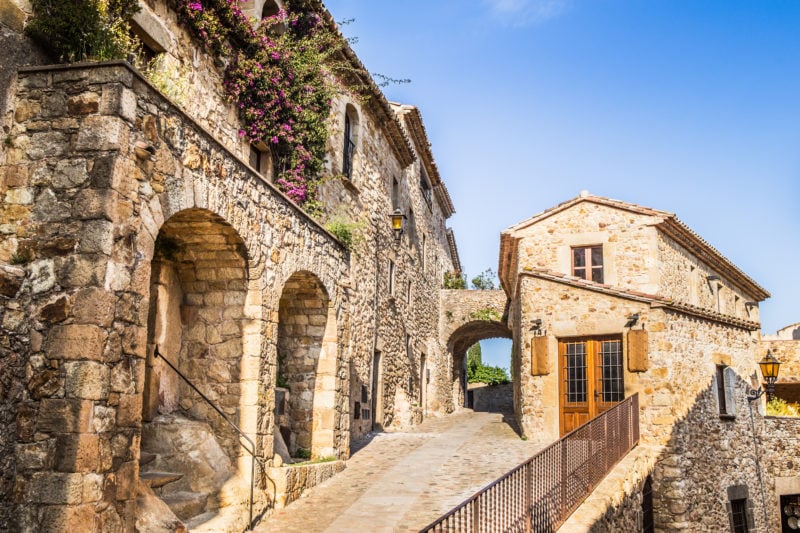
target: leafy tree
474 358
485 281
454 280
491 375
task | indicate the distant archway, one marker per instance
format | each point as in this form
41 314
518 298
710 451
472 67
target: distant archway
458 344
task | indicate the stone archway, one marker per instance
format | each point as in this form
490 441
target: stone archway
307 368
458 344
198 322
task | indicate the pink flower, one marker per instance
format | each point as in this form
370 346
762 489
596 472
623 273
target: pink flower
195 6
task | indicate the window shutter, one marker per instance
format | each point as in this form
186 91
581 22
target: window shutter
638 360
539 359
730 391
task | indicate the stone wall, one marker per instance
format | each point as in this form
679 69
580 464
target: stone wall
86 212
137 223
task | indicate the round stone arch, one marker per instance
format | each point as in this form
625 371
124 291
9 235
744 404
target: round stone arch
307 367
460 341
204 316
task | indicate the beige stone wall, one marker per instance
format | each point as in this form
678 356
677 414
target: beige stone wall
629 242
684 278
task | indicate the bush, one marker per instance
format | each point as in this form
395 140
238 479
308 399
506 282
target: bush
454 280
491 375
779 407
75 30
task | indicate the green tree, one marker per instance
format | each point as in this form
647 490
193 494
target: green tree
485 281
454 280
474 358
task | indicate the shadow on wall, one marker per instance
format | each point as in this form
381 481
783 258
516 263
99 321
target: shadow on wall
708 469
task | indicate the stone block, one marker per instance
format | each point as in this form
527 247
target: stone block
77 452
100 132
93 306
96 203
47 144
11 279
36 456
54 488
67 518
93 488
96 236
69 173
76 341
87 380
64 416
126 479
82 271
12 16
45 384
83 104
129 410
118 100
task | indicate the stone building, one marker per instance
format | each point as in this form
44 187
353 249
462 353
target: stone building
134 222
610 299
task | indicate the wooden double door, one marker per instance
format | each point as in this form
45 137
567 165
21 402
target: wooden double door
591 378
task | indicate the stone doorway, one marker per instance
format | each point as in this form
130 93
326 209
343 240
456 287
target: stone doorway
197 320
377 391
460 341
307 365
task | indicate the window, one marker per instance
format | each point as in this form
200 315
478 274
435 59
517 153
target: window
726 383
425 186
739 516
740 509
350 139
411 226
424 250
648 524
395 194
587 263
391 278
259 158
349 149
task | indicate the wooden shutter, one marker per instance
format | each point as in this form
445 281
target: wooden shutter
638 360
539 356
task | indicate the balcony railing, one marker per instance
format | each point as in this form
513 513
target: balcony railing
540 494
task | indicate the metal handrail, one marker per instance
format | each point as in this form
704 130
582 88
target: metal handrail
541 493
251 450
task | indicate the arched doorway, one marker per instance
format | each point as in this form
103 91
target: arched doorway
197 321
307 368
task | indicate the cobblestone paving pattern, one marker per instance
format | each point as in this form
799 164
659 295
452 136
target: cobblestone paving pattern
403 481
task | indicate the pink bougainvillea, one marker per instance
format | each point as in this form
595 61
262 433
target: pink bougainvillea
276 79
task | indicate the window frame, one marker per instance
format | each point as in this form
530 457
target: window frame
725 381
588 268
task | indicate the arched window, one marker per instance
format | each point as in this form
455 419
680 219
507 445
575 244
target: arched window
270 9
350 140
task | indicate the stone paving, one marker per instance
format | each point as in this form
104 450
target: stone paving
403 481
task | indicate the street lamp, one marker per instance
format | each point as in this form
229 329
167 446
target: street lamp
398 223
770 367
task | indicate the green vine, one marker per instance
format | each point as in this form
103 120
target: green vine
487 314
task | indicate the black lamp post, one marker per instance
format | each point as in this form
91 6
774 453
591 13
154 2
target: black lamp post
398 223
770 367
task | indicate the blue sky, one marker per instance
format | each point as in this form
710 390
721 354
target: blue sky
688 106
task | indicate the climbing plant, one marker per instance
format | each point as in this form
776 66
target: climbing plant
279 78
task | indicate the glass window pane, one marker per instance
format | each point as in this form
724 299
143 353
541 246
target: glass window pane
597 275
597 256
576 372
578 257
612 372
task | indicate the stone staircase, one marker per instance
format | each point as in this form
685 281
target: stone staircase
182 468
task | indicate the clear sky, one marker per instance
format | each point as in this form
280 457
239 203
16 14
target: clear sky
688 106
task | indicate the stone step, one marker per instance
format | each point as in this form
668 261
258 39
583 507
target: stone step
185 504
156 480
200 519
146 458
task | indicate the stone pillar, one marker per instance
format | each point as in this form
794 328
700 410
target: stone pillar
77 320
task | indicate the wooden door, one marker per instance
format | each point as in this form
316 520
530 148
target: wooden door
591 379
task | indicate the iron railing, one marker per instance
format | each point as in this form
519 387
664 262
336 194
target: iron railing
248 445
541 493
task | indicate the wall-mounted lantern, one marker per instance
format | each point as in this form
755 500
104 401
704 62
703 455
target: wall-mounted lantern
398 223
770 367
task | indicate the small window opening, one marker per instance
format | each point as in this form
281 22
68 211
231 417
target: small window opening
391 277
259 158
648 523
425 186
587 263
395 194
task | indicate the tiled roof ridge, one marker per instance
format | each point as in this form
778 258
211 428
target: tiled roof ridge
653 299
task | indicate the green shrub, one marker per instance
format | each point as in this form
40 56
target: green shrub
454 280
76 30
348 233
491 375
